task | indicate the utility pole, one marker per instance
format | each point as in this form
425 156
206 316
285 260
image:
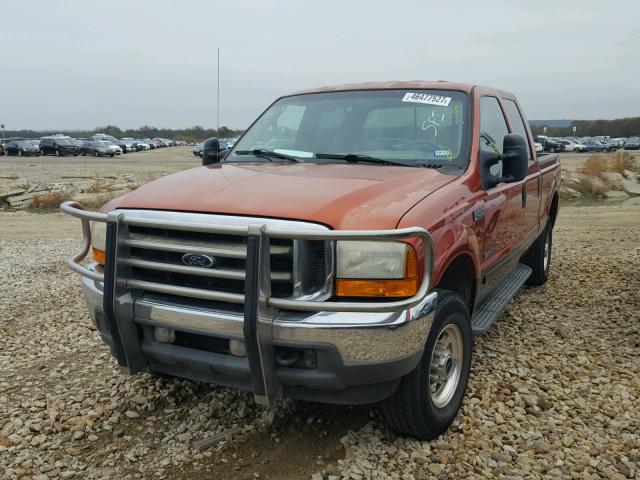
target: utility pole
2 128
218 116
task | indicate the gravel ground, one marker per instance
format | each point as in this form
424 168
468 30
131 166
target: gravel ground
554 391
148 165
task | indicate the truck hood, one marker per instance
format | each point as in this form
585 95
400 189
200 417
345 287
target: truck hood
342 196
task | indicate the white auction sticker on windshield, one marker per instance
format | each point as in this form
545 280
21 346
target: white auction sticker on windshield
428 98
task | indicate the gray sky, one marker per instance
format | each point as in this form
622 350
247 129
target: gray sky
81 64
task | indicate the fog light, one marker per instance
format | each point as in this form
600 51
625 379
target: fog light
164 335
238 348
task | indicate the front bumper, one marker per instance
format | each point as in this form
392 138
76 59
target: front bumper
360 357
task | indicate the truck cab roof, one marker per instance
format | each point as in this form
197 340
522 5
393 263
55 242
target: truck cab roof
398 85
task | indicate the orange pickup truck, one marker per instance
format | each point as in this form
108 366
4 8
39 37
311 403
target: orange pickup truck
346 249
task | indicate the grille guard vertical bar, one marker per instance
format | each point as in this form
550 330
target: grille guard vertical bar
251 307
108 292
266 315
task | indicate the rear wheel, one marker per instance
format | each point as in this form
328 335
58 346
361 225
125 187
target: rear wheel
96 153
539 257
428 399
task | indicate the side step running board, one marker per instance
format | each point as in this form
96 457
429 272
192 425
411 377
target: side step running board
488 312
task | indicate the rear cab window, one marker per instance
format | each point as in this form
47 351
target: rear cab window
517 122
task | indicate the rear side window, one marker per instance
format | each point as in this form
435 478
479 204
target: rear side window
517 123
493 126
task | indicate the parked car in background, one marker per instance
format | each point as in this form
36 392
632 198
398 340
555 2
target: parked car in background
21 148
550 145
127 145
142 144
101 136
539 147
595 146
632 143
101 148
58 146
227 142
571 146
613 145
151 143
197 150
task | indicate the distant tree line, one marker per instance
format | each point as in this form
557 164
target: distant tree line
620 127
192 134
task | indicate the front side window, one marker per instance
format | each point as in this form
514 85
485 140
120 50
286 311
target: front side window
415 128
493 128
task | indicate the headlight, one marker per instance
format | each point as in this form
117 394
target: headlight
98 241
371 259
376 269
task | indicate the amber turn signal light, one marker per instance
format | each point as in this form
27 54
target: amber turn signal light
98 255
402 287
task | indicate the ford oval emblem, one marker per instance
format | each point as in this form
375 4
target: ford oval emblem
197 260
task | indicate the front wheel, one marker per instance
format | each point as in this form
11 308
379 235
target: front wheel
539 258
428 399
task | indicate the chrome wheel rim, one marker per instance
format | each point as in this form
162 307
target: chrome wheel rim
547 251
445 366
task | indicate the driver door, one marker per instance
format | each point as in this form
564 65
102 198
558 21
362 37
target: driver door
504 215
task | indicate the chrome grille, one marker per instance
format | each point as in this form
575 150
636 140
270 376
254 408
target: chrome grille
150 259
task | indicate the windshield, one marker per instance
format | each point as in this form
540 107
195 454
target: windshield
411 127
63 141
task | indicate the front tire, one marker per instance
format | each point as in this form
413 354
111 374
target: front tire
428 399
539 258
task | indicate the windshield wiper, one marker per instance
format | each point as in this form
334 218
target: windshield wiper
268 154
359 158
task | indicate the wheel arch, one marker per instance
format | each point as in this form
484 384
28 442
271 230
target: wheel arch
460 267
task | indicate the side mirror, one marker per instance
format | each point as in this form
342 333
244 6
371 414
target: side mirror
210 151
515 158
515 162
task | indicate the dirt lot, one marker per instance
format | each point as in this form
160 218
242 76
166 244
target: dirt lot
554 391
49 169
